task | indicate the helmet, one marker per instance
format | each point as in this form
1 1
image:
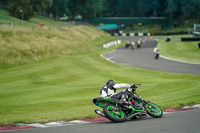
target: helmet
110 83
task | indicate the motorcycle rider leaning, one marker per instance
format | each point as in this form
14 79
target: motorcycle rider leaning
110 88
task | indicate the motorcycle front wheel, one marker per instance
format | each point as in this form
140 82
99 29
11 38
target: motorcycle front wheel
153 110
114 115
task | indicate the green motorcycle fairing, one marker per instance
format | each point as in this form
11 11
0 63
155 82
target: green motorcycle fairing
102 101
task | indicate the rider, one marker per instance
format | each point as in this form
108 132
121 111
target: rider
110 88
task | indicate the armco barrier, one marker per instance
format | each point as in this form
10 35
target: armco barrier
107 45
190 39
148 34
130 34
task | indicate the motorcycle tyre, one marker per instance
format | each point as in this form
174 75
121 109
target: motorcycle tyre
111 117
152 114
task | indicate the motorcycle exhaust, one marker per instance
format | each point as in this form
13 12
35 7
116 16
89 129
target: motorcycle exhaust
98 112
141 114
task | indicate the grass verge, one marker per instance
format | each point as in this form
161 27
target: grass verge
176 49
63 88
23 45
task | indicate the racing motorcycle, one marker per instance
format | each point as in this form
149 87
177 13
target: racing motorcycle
136 107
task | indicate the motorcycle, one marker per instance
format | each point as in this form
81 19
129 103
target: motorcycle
137 107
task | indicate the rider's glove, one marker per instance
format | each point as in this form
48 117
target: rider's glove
133 86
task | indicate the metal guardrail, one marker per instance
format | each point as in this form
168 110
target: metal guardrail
107 45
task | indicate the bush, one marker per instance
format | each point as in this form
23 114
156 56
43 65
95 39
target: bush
15 6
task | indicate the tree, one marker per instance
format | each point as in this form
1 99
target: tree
100 8
110 8
171 11
14 7
153 8
58 8
179 11
88 9
3 2
73 8
40 5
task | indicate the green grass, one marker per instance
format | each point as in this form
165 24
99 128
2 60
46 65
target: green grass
53 74
176 49
63 88
23 45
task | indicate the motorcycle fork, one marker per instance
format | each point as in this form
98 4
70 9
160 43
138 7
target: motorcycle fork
117 107
148 105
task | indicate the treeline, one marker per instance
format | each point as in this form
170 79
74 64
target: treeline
178 11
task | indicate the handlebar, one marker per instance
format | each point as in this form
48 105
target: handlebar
136 86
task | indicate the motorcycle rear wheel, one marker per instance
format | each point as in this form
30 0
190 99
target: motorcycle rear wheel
113 115
153 110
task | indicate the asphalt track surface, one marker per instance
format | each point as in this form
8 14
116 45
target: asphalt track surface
179 122
145 58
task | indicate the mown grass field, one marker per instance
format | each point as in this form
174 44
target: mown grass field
63 89
53 74
176 49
